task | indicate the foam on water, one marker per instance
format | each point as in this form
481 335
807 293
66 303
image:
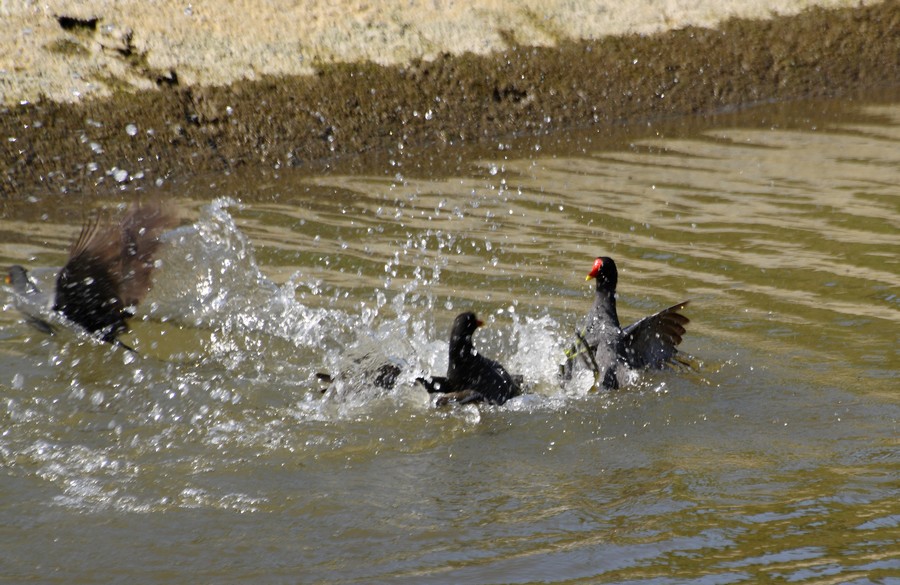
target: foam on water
209 279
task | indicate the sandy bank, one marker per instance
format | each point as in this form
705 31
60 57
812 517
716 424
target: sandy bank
65 50
298 107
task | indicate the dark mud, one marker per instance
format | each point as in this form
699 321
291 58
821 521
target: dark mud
360 116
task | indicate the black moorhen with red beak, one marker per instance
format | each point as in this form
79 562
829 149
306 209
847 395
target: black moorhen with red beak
471 377
107 274
603 346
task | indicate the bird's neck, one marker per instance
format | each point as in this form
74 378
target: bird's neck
605 304
461 351
462 347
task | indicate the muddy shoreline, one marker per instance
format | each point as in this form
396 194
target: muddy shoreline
354 117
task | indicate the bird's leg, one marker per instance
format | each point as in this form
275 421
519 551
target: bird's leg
590 353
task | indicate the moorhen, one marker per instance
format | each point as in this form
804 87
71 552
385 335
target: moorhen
107 274
471 377
603 346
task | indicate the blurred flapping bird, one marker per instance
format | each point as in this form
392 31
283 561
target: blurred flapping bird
108 273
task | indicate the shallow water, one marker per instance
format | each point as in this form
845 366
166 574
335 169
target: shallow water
212 456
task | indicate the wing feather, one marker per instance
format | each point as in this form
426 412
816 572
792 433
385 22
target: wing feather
652 342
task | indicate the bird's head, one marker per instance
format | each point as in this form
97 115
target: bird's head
605 272
465 325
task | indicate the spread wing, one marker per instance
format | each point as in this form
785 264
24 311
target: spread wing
122 250
139 240
651 342
87 287
109 268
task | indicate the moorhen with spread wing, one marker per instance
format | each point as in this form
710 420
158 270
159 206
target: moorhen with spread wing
603 346
107 274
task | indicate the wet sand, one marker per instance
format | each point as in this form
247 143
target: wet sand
347 117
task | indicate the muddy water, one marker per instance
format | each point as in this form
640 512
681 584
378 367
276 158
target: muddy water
213 456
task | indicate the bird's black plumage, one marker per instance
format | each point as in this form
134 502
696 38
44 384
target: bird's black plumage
107 274
603 346
471 377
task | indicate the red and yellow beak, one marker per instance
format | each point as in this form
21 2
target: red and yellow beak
595 269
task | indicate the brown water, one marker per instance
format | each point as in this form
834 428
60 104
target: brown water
212 456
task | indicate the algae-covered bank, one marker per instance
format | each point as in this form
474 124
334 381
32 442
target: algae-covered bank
154 123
